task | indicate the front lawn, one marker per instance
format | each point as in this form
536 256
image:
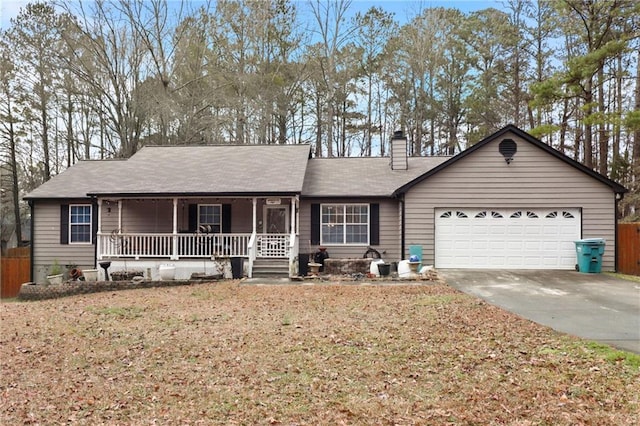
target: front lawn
301 354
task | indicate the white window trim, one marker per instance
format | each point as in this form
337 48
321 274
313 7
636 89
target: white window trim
71 206
344 224
210 205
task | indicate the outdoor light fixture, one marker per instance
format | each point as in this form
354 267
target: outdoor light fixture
508 149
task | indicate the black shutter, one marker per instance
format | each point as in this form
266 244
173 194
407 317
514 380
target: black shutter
64 224
94 222
226 218
193 217
374 217
315 224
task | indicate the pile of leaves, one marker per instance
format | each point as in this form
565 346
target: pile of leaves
301 354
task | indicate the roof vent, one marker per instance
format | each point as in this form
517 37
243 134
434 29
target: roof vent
399 151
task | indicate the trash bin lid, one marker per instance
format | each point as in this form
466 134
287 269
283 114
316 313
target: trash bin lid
591 241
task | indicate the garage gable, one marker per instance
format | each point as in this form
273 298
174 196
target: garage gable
510 201
507 148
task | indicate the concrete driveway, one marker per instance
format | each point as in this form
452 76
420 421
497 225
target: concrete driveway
592 306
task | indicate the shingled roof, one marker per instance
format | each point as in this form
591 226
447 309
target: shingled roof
186 170
232 170
351 177
78 180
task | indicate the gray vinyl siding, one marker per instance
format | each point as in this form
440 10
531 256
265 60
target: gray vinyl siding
46 242
389 230
534 179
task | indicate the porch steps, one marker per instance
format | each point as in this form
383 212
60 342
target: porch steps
270 267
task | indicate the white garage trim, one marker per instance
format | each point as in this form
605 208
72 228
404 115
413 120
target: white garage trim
499 238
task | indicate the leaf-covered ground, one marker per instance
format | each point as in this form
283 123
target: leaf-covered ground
300 354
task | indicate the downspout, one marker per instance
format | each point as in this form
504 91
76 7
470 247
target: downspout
94 208
618 197
402 227
31 231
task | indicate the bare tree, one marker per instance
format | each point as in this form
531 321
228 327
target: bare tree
108 56
8 131
330 17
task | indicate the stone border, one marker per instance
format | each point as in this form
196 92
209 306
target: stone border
33 291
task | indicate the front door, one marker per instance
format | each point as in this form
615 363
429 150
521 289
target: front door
276 219
274 240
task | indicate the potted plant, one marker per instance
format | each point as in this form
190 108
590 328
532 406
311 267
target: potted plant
55 273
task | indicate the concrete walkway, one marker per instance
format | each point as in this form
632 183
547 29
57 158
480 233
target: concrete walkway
592 306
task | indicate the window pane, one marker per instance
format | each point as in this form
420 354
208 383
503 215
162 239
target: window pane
332 214
357 214
80 233
356 234
80 224
332 229
80 214
345 224
210 215
332 234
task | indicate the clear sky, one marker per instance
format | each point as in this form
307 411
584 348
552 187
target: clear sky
403 9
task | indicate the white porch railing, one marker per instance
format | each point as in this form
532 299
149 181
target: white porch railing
272 245
174 246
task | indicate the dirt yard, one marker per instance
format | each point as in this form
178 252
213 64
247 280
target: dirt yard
301 355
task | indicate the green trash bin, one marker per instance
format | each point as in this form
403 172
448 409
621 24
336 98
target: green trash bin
589 252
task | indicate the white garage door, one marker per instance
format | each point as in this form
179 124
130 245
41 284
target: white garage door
506 238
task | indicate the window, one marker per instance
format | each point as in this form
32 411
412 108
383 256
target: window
79 223
344 224
210 218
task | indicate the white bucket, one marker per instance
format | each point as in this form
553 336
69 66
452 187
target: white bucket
373 268
167 272
90 274
404 270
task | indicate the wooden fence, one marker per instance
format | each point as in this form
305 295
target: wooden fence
14 271
629 248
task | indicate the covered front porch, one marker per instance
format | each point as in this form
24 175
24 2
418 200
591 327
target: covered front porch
145 232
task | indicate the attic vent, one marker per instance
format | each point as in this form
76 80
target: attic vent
508 149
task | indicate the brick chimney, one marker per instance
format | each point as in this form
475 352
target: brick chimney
399 151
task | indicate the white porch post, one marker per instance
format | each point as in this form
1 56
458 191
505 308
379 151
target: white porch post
99 230
293 215
255 209
174 251
119 216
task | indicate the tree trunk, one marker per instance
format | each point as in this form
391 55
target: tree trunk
69 131
603 132
369 118
45 141
588 130
15 192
